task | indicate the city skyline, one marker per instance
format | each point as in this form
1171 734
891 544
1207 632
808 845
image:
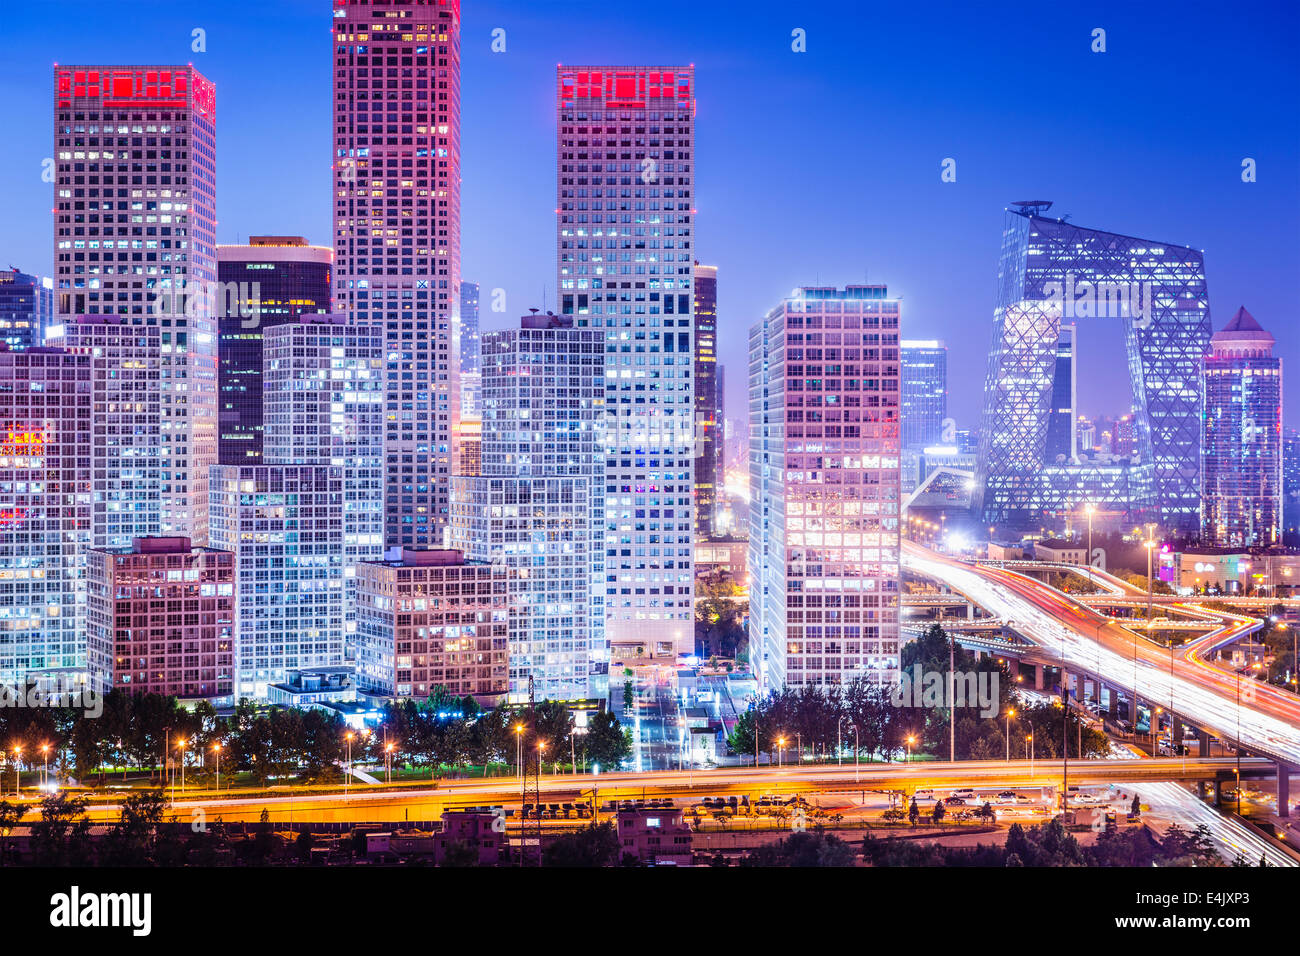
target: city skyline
1126 177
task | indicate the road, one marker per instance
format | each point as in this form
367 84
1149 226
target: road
1087 641
428 802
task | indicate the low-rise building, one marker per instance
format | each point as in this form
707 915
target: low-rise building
655 836
430 618
1061 552
160 619
1273 571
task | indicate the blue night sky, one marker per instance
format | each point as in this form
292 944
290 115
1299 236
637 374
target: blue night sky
812 168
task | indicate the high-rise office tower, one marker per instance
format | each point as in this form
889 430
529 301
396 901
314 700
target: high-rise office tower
397 234
135 235
470 351
26 308
270 281
126 368
824 472
324 398
925 391
160 619
1241 450
1061 440
284 525
708 384
431 618
1052 272
46 481
537 504
625 187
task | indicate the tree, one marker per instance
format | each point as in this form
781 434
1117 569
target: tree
606 742
132 840
61 837
938 812
595 845
913 811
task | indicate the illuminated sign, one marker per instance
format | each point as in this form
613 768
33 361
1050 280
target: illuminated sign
156 89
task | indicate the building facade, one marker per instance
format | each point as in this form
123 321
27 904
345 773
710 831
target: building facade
135 236
160 619
26 308
269 281
433 619
625 237
470 351
708 394
284 524
396 201
46 480
925 392
1241 447
324 405
1053 272
824 472
537 504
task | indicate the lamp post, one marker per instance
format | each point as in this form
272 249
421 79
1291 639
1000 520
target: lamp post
216 750
347 778
181 746
388 763
45 773
910 740
1011 712
856 751
18 787
519 750
780 752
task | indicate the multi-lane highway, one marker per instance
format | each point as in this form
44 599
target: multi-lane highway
1269 718
427 802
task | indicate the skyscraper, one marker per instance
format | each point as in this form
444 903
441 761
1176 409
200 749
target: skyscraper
46 422
1061 440
470 351
824 473
1241 451
925 391
537 504
26 308
397 233
126 368
284 525
1053 271
625 185
324 398
272 280
135 235
708 382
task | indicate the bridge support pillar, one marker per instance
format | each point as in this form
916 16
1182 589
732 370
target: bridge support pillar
1205 743
1283 790
970 611
1133 713
1218 793
1038 676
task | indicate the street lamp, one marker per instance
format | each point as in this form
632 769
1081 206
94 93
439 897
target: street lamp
347 778
181 744
519 749
216 750
910 741
18 752
45 774
1011 712
388 763
780 752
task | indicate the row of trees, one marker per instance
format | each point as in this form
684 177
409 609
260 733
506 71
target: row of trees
881 721
140 731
